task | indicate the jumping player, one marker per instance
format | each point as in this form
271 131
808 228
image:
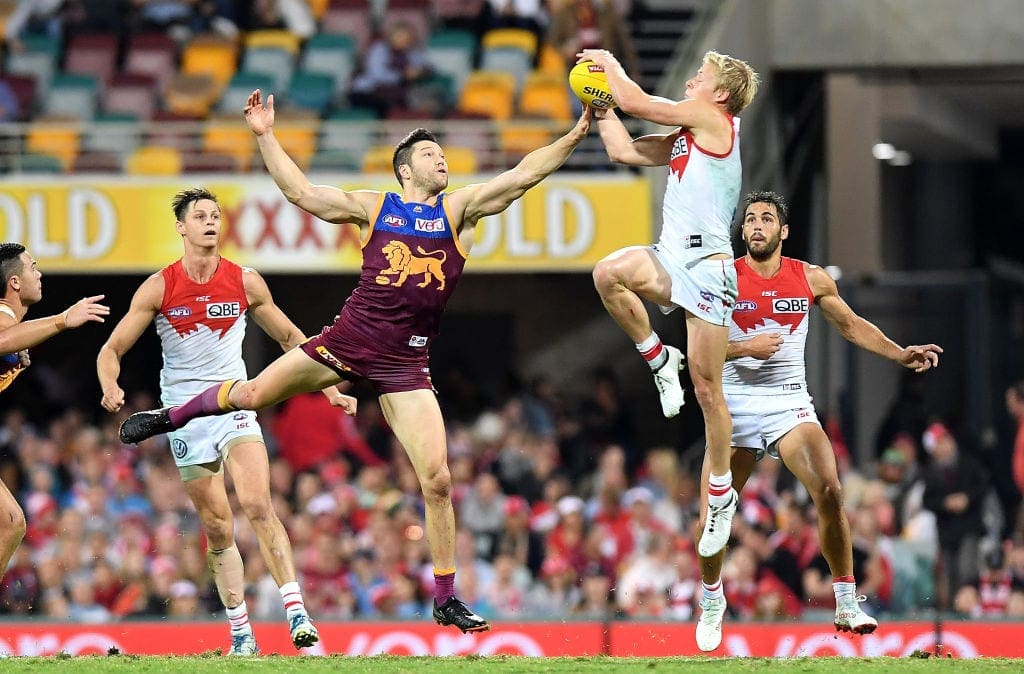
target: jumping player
200 304
766 391
415 245
691 266
23 287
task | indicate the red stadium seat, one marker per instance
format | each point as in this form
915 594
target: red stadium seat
92 54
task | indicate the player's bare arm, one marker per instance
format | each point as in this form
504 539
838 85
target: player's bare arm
864 333
698 115
761 347
281 329
144 307
650 150
325 202
15 336
473 202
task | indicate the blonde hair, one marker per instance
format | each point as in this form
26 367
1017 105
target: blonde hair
736 77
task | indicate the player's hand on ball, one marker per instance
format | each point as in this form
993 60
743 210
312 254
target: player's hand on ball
85 310
920 357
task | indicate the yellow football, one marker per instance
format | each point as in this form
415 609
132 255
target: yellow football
588 81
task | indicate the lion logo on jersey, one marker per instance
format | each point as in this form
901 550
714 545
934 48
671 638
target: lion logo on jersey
402 262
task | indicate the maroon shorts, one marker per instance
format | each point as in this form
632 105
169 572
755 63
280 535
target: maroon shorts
354 360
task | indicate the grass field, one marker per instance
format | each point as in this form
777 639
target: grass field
496 664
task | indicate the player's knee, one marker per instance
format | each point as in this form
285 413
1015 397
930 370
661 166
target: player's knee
245 396
830 498
220 531
708 395
257 508
16 532
438 484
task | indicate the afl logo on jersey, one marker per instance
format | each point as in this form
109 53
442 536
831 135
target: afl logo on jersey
178 312
745 305
393 220
223 310
179 448
790 305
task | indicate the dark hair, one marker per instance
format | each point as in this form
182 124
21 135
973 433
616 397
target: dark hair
403 151
185 198
768 197
10 261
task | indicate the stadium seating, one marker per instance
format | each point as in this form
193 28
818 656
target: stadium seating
154 160
93 54
191 95
71 95
461 160
332 55
58 138
273 39
211 55
458 11
208 162
171 129
378 159
416 13
297 136
241 86
97 162
350 130
510 60
451 52
518 137
151 54
227 134
551 62
131 93
349 17
510 38
38 59
489 93
39 163
113 132
546 95
311 92
24 88
276 63
335 161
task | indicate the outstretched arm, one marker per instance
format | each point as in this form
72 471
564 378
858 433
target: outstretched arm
633 100
325 202
622 148
279 327
144 307
495 195
15 336
862 332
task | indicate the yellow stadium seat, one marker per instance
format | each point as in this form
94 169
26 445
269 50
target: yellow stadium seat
519 38
489 93
378 159
519 137
154 160
58 138
230 136
319 8
191 95
298 138
210 55
281 39
461 160
551 62
546 95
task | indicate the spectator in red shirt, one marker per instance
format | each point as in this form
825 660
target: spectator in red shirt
310 430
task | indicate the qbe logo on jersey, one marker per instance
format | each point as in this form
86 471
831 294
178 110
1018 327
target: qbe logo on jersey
791 305
223 310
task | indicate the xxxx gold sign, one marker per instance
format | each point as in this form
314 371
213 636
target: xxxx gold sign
566 223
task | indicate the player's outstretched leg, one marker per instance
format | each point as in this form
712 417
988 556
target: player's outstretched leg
850 617
666 378
455 612
143 425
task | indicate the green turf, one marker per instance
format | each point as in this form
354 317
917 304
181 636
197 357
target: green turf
389 664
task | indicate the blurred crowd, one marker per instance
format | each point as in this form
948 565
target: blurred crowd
559 515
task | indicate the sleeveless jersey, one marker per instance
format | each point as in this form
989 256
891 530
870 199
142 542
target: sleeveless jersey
201 327
412 261
10 365
700 198
777 304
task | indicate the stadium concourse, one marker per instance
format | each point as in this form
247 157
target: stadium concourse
563 514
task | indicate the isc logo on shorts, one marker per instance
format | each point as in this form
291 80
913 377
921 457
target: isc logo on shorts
790 305
223 310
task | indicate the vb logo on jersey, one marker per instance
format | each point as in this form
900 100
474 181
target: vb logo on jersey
791 305
223 310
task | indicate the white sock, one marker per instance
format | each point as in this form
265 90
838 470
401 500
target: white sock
845 591
720 488
291 595
713 591
239 619
653 351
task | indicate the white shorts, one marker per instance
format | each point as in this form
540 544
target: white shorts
705 288
760 421
209 439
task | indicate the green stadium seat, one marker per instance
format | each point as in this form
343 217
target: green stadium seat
311 91
275 62
333 55
238 90
71 95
